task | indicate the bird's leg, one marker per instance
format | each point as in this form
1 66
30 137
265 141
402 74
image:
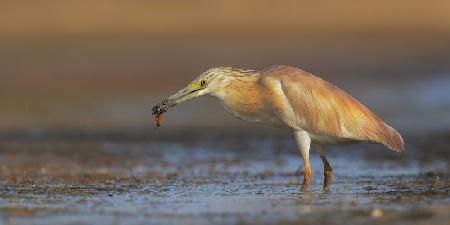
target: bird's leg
304 142
327 170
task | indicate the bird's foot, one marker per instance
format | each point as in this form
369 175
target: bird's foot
306 181
304 188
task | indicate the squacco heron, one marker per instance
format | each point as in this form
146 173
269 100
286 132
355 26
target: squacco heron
292 99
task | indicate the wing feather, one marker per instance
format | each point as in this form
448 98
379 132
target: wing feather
326 110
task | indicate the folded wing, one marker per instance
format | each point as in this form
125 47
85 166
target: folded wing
323 109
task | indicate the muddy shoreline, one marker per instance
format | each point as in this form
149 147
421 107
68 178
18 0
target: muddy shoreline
204 179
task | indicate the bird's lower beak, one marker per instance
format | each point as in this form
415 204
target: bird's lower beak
181 96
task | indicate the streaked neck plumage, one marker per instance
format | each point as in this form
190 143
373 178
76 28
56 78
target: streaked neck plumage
235 82
244 96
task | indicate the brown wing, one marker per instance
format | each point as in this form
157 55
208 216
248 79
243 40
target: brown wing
324 109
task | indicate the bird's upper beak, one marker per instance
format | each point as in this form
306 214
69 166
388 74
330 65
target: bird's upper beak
177 98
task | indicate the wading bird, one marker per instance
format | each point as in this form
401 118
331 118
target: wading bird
289 98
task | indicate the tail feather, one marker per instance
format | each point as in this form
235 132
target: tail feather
391 139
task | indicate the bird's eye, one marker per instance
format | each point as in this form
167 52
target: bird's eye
202 82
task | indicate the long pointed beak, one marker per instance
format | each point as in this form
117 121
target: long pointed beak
181 96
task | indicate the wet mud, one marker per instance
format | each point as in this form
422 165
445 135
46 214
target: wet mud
218 179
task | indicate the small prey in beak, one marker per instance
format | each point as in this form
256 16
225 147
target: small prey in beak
159 111
181 96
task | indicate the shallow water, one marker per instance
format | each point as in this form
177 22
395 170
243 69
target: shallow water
220 180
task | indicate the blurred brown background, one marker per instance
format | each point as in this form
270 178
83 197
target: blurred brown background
101 65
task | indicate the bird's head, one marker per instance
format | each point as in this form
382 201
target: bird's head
208 82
